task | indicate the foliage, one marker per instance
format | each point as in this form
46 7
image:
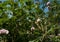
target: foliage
19 16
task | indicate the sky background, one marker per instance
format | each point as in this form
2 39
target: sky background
2 0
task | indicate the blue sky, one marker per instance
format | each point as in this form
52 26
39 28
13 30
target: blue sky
2 0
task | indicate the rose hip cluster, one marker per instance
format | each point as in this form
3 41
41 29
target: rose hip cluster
4 31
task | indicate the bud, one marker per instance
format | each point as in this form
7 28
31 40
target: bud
3 31
38 20
48 3
32 28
